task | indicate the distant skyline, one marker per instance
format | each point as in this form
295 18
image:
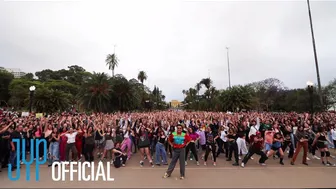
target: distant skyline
177 43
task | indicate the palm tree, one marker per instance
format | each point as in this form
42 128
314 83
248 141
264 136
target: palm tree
112 62
142 76
206 82
95 94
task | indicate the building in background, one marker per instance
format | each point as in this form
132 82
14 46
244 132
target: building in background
16 72
175 103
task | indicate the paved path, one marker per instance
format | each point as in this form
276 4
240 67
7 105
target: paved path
224 175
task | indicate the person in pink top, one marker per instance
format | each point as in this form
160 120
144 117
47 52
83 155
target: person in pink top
192 145
269 135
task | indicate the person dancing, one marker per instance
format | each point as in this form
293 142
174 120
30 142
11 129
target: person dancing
302 137
178 140
257 143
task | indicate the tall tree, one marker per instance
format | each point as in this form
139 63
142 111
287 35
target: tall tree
112 62
142 76
5 80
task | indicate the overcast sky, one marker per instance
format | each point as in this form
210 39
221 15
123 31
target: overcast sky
177 43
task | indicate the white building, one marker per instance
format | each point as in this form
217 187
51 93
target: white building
16 72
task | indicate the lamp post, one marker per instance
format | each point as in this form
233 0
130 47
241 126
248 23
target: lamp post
315 55
310 86
32 91
228 64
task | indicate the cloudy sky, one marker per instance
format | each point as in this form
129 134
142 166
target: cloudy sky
177 43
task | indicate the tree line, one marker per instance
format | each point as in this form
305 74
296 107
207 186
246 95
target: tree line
75 87
266 95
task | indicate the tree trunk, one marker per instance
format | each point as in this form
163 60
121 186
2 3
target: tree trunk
112 72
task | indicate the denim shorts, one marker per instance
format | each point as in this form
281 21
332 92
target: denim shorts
268 146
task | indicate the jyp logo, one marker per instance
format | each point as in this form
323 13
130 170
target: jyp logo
15 158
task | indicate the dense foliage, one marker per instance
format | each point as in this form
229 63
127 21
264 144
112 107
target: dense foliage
76 88
267 95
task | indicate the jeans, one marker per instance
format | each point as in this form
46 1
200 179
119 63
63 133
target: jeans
54 152
160 151
13 159
331 145
292 140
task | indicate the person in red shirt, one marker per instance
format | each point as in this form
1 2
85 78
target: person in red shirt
255 148
178 140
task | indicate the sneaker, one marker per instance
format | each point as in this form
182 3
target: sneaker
191 159
239 157
316 157
328 163
214 164
262 164
291 163
205 163
235 164
123 165
197 163
166 175
308 159
242 165
305 163
151 164
282 163
186 163
182 178
141 163
21 162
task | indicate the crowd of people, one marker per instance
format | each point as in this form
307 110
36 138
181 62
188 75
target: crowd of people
178 135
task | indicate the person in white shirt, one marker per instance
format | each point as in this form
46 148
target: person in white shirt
71 135
222 142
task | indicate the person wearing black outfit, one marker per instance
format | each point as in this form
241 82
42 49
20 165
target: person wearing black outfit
233 147
169 148
99 141
4 150
210 138
256 147
286 131
13 159
215 128
89 144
